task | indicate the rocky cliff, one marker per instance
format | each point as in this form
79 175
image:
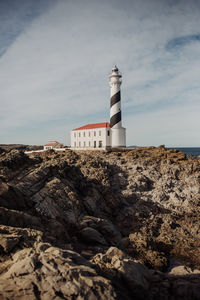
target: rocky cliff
99 225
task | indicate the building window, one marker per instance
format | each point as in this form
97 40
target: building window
100 144
79 134
74 144
89 133
79 144
84 133
89 144
108 132
94 133
99 132
84 144
74 134
95 144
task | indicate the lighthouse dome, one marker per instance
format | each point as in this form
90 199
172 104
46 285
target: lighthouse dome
115 69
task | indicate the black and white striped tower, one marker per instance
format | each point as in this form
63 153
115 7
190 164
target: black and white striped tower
118 133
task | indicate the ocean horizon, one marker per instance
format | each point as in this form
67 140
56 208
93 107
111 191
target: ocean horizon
194 151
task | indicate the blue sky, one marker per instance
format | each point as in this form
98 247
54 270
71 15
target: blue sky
55 58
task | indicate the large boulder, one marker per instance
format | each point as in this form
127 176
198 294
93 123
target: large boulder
117 265
13 159
107 229
12 198
45 272
91 235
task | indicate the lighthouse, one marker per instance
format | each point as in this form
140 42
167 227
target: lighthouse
103 135
118 133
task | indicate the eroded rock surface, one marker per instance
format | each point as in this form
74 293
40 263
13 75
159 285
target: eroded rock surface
46 272
99 225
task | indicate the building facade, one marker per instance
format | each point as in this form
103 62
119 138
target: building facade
91 136
104 135
53 145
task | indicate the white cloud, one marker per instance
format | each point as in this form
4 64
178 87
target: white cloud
55 75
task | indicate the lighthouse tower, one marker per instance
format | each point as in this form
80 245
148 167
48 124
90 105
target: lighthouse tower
118 133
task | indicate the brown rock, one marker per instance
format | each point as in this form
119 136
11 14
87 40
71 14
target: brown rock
50 274
145 200
116 264
91 235
8 242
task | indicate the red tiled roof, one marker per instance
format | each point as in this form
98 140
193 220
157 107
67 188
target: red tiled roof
93 126
52 143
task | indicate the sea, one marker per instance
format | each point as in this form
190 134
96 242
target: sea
195 151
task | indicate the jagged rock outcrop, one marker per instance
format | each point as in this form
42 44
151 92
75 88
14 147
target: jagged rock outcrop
116 265
99 225
46 272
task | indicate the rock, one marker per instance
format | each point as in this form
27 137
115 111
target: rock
8 242
14 159
2 150
105 227
183 270
91 235
61 274
55 206
12 198
18 219
118 265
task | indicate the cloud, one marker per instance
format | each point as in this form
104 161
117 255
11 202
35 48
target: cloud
15 16
54 76
182 41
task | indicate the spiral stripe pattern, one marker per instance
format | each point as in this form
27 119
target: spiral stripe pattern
115 98
115 109
115 119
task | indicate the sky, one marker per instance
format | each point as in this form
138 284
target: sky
56 56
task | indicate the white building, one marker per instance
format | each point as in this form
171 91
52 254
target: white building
53 145
91 136
104 135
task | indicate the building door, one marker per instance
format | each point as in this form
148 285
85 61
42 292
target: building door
95 144
100 144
